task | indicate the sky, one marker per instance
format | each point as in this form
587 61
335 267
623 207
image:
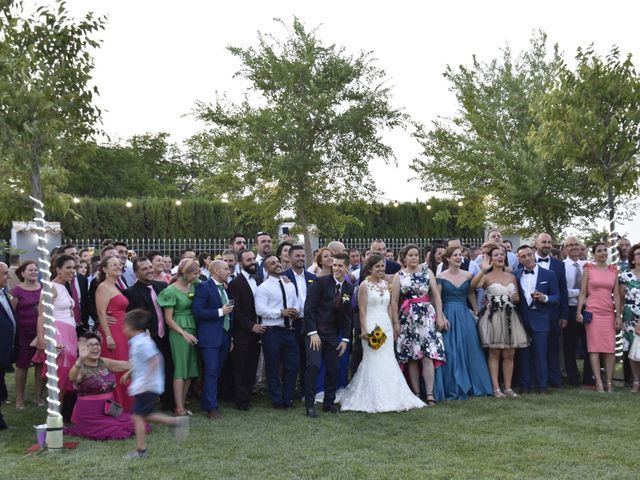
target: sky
158 58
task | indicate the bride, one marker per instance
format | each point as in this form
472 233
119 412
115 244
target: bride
378 385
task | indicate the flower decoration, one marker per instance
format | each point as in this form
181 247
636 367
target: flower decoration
346 298
191 295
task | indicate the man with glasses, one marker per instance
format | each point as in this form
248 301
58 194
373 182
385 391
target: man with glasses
127 267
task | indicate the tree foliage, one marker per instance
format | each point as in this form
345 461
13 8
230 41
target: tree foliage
590 120
484 154
46 100
303 137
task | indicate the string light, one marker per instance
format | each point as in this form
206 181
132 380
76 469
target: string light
428 207
128 204
76 200
395 204
178 203
460 204
54 419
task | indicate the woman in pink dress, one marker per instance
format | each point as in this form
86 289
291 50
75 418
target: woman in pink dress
111 306
64 270
600 290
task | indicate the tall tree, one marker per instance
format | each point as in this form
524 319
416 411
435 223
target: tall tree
590 121
303 137
483 153
46 100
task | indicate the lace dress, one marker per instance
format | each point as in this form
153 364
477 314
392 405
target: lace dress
378 385
499 325
419 336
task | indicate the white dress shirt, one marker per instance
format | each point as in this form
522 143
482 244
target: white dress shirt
544 265
269 304
570 272
301 283
252 281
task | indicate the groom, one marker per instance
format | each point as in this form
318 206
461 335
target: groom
327 319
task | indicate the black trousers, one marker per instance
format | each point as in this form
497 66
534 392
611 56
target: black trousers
329 355
166 399
569 346
356 345
245 366
302 352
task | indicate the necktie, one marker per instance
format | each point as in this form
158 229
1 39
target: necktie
159 314
287 322
225 300
528 271
578 281
540 260
76 302
336 297
122 284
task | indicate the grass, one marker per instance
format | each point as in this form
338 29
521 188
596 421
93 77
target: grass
573 433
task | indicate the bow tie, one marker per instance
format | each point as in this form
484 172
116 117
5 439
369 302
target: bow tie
543 260
528 271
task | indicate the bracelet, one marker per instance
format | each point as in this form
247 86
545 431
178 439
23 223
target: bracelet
109 336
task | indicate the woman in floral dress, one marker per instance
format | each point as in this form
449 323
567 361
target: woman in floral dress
630 293
419 341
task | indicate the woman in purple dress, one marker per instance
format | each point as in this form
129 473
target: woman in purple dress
25 300
94 380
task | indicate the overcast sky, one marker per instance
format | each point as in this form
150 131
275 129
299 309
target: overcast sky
159 57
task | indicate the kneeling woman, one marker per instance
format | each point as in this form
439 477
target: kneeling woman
94 379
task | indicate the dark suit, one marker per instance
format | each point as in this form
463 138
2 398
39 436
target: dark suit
299 324
213 340
537 319
246 343
322 316
83 294
139 296
8 346
558 311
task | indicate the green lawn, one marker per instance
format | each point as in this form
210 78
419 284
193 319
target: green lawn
567 434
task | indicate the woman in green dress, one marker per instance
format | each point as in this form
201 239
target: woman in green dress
176 301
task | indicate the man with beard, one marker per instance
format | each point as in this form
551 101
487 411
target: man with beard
263 245
246 329
277 304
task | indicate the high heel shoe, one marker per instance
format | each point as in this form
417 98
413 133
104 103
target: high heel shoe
498 393
510 393
599 388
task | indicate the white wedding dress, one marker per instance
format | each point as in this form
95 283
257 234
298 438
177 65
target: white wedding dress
378 385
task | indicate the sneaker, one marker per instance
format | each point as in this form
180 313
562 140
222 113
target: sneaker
136 454
182 428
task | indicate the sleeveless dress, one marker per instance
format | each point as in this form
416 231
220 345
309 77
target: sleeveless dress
378 385
117 308
499 325
419 336
89 419
466 372
601 332
631 310
185 356
65 335
27 319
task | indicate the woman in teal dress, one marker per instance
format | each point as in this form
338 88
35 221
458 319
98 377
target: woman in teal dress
176 301
465 373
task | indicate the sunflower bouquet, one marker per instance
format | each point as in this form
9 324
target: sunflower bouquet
376 338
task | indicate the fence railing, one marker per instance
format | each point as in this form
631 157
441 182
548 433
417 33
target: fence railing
215 246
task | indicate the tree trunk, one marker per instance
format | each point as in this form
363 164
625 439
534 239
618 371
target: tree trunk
36 187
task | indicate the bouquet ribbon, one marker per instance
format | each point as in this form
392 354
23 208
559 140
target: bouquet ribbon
406 305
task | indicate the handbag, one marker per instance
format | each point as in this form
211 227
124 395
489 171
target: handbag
634 349
113 409
586 317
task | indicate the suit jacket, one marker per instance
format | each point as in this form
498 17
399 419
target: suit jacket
561 309
8 334
139 296
319 314
244 313
538 316
206 304
308 276
83 282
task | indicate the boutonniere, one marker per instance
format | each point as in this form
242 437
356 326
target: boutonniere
310 281
191 295
346 298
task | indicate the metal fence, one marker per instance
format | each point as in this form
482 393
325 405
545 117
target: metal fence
215 246
396 244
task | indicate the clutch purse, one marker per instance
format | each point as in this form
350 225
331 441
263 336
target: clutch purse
586 316
634 349
113 409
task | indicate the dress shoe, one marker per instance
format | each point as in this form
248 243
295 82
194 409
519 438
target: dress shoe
214 414
279 406
311 413
331 409
543 391
243 408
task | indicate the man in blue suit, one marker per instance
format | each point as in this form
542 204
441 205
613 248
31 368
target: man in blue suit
559 311
8 333
213 313
302 280
539 293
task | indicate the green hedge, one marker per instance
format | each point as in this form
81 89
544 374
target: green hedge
195 218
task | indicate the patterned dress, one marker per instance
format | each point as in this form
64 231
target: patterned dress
631 311
419 336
